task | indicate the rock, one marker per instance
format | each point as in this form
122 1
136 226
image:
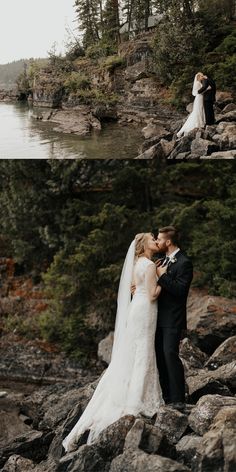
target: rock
209 382
184 144
182 156
33 445
217 451
16 463
138 461
192 357
80 121
220 155
105 112
154 130
229 107
225 135
203 147
134 436
111 441
223 354
105 348
211 320
137 71
204 412
171 422
223 98
154 152
229 116
56 408
86 459
167 146
187 447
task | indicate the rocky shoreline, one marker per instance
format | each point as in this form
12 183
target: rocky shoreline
213 142
198 440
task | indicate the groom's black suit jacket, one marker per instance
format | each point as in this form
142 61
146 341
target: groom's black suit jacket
173 297
209 95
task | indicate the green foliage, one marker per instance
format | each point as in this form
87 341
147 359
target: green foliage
74 220
112 62
76 81
102 48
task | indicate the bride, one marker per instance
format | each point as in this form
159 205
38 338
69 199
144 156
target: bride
130 385
196 119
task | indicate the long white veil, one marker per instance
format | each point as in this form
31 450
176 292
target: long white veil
196 86
123 302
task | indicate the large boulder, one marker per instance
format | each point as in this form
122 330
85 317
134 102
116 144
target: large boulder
17 463
204 412
203 147
193 358
217 451
171 422
154 130
139 461
221 380
225 135
187 448
229 116
32 445
211 320
86 459
220 155
223 354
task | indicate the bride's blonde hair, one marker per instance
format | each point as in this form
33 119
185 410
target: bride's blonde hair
140 240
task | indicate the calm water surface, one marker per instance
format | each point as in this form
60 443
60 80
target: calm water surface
21 136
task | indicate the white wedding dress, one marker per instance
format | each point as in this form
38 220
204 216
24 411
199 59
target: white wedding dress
130 385
196 118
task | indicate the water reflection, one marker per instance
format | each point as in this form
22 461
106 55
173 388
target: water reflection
21 136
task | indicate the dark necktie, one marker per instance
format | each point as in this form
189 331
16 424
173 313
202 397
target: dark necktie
165 261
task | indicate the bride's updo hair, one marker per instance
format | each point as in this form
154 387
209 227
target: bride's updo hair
140 240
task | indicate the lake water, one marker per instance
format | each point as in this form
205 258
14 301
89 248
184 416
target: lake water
22 136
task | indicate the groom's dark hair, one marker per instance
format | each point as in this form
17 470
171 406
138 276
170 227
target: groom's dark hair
171 233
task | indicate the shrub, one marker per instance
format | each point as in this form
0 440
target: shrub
76 81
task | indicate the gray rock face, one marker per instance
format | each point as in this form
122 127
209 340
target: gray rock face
204 412
223 354
217 450
203 147
80 121
218 381
138 461
211 320
16 463
171 422
220 155
192 356
153 129
187 447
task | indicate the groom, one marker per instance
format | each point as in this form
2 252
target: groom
175 275
209 97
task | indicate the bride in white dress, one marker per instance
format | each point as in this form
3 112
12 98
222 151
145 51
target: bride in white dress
130 384
196 118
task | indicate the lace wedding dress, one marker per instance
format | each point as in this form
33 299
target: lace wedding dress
130 385
196 118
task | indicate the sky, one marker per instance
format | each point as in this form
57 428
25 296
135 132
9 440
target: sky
28 28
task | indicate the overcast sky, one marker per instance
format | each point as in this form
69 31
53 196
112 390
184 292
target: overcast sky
28 28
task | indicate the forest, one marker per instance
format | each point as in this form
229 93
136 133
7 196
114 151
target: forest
68 224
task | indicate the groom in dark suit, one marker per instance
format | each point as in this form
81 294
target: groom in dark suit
175 274
209 97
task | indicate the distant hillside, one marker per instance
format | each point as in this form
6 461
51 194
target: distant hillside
9 72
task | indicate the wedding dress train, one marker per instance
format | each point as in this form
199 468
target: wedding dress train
130 385
196 118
